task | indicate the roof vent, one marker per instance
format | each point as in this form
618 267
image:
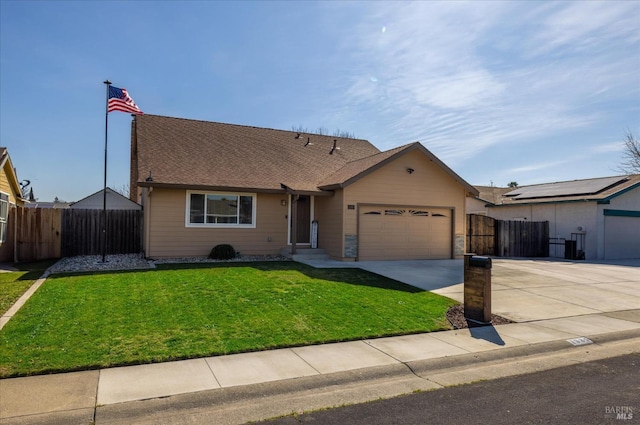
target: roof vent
335 147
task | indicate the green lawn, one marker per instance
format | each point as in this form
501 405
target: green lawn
77 322
14 284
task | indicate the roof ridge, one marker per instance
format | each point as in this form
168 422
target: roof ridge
248 126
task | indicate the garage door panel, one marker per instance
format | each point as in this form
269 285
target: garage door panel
441 253
394 233
622 237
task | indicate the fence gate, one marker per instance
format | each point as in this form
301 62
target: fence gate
522 238
502 238
481 234
82 232
33 234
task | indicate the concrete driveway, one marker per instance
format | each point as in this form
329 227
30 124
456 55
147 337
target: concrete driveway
525 289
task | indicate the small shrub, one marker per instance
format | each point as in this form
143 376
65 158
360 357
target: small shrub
222 252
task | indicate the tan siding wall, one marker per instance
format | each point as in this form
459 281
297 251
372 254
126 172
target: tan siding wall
428 185
5 187
169 237
329 213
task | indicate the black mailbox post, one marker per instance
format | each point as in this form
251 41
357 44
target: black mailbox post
477 288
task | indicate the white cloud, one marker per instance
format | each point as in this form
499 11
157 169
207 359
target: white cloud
579 26
608 147
462 90
539 166
465 76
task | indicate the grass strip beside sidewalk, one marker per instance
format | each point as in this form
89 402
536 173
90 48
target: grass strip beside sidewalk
15 283
77 322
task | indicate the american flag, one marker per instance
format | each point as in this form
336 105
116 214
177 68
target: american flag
119 100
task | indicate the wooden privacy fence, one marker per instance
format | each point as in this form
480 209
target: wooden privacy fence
81 232
502 238
33 234
42 233
523 238
481 234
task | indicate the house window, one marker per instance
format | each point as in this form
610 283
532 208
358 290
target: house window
4 216
220 209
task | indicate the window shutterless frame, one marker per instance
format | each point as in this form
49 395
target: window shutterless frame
220 209
4 216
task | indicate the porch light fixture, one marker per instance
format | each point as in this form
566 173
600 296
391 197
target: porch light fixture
410 170
283 202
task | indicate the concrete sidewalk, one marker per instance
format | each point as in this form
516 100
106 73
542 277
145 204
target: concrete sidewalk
560 306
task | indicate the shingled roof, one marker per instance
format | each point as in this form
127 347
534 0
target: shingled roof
184 153
193 154
492 194
359 168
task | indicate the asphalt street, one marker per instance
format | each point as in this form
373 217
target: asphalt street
599 392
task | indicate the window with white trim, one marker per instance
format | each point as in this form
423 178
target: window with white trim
221 209
4 216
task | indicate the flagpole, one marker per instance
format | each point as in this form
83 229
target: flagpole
104 188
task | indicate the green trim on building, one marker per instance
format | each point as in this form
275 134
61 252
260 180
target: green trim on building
621 213
608 199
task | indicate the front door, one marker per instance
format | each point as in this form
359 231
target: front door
303 220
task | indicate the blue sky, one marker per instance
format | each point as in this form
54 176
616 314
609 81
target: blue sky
500 91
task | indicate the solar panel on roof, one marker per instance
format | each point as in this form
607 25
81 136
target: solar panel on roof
572 188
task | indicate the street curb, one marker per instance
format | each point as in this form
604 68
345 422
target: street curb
478 358
248 394
64 417
241 402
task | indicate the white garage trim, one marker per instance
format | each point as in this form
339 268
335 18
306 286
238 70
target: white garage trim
621 234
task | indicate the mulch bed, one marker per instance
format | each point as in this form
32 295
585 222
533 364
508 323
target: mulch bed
456 317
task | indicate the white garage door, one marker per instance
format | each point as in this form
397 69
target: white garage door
621 237
400 233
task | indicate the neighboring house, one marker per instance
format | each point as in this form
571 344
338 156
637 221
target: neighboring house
10 197
488 195
602 214
115 201
206 183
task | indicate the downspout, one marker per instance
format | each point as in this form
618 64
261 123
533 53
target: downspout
146 219
294 222
15 235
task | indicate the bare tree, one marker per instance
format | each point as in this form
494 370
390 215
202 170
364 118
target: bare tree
323 131
344 134
122 190
631 156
